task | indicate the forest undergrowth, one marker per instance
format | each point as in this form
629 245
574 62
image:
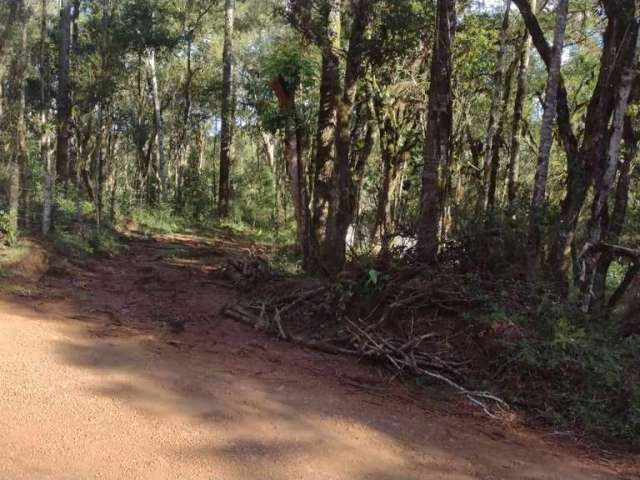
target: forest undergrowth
481 334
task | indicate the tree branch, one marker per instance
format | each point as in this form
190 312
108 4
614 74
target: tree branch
569 139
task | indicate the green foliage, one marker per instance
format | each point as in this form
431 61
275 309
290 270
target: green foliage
288 61
146 24
298 67
85 240
576 374
72 244
7 226
160 220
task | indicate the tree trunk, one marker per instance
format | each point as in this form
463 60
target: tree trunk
63 100
295 168
583 168
341 205
228 107
49 180
606 174
546 140
513 173
379 229
157 111
326 130
498 141
621 201
438 131
16 114
494 112
569 140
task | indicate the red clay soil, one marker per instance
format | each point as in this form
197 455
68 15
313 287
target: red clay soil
124 368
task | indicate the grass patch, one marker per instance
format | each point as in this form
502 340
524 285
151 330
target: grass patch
10 256
159 221
86 241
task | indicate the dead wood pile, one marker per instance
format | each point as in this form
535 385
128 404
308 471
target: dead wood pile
382 327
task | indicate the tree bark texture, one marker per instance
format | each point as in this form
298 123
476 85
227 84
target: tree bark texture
228 107
536 214
438 131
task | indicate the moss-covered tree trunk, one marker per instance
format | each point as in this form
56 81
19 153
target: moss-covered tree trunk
582 168
326 130
439 124
342 195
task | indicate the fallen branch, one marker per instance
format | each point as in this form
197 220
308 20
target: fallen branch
379 347
404 356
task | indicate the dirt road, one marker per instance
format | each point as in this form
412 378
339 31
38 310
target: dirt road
125 369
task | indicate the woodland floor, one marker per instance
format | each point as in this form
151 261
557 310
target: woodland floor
98 381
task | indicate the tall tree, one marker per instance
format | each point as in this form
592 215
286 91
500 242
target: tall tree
157 113
45 157
522 83
605 173
16 111
546 139
582 166
343 192
329 40
494 112
438 131
294 156
63 100
228 107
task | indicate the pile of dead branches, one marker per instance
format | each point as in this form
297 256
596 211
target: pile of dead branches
424 354
406 357
247 274
410 291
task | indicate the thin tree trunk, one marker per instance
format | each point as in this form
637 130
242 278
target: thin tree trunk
295 168
576 170
157 111
438 131
382 201
498 142
513 173
228 107
16 112
546 141
496 103
49 181
63 100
